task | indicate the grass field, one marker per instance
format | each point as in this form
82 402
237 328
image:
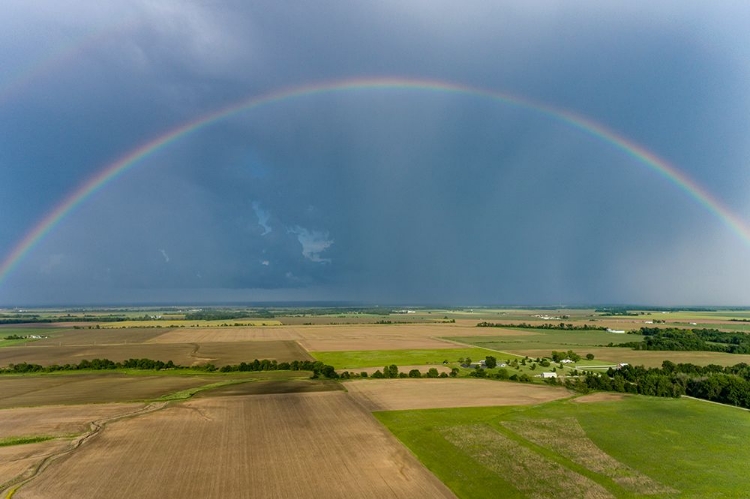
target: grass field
373 358
551 339
632 446
291 445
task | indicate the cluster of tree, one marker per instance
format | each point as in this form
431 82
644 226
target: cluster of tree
14 337
223 315
501 374
675 339
272 365
561 326
616 311
338 311
570 354
319 369
726 385
35 319
393 372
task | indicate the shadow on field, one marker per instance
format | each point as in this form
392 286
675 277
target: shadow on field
269 387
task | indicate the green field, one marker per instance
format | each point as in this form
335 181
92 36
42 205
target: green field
375 358
631 447
552 339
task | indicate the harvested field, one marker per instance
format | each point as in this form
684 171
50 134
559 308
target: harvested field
57 420
17 460
89 337
291 445
334 337
566 438
22 391
402 394
531 473
234 353
180 353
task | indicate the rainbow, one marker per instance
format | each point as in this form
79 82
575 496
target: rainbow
111 172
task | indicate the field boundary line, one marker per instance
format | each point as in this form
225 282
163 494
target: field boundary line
713 402
460 343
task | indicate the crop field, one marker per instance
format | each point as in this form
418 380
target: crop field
625 446
290 445
373 358
401 394
180 353
101 387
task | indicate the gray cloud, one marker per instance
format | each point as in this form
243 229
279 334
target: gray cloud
429 197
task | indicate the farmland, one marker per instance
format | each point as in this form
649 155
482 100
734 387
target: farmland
257 431
290 445
180 353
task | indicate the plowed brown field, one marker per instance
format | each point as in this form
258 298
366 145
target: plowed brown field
272 446
57 420
91 388
402 394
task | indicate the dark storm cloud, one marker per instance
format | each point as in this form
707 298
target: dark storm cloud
375 195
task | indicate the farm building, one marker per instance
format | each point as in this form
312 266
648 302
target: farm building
549 375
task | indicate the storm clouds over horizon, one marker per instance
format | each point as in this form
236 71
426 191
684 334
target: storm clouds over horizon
375 195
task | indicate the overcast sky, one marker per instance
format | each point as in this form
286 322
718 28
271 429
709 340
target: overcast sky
375 195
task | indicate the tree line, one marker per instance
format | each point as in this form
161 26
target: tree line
676 339
318 368
726 385
561 326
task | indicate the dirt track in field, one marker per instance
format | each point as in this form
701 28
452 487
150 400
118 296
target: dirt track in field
402 394
17 460
274 446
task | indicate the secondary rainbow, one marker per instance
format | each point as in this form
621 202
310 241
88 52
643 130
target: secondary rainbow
586 125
